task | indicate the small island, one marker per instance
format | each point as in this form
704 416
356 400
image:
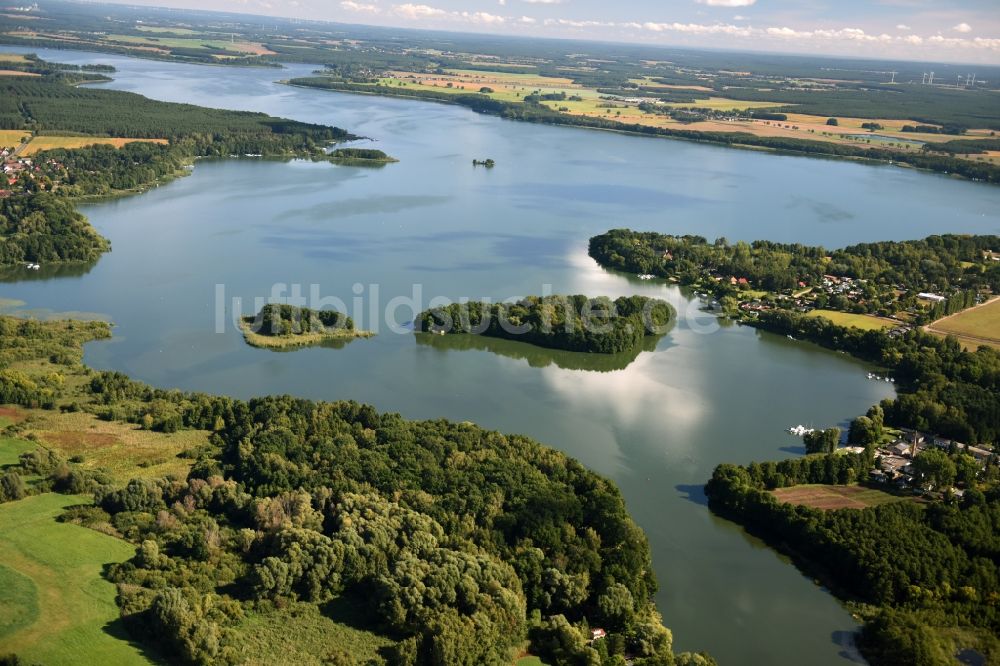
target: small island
360 156
288 326
488 163
572 323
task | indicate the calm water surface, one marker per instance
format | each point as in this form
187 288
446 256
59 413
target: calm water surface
657 425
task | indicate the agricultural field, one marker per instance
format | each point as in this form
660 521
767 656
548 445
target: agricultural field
834 497
17 72
55 608
973 327
40 143
863 321
12 58
11 138
123 450
237 47
507 87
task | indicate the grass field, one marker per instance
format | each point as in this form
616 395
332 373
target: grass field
973 327
40 143
834 497
862 321
303 635
55 608
12 57
123 450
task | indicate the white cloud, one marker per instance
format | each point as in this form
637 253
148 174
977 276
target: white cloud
483 18
727 3
822 40
352 6
415 12
698 28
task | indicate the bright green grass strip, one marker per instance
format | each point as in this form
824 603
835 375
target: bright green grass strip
77 620
18 601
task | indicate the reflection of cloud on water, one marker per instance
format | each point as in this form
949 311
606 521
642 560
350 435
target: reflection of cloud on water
648 402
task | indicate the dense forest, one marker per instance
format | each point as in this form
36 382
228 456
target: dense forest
48 229
572 323
459 544
921 572
276 320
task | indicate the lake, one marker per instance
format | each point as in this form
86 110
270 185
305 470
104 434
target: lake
657 425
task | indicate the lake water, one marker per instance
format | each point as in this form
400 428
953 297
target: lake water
657 425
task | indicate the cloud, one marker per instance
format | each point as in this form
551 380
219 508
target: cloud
827 40
416 12
698 28
483 18
352 6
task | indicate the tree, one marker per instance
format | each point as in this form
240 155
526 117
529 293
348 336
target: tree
935 468
822 441
12 487
862 432
833 122
967 469
617 607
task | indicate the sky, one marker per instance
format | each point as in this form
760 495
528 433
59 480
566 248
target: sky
937 30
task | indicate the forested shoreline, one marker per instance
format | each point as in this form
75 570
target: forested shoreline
459 544
941 387
537 113
919 575
49 180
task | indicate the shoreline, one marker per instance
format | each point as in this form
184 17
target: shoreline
297 341
708 139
